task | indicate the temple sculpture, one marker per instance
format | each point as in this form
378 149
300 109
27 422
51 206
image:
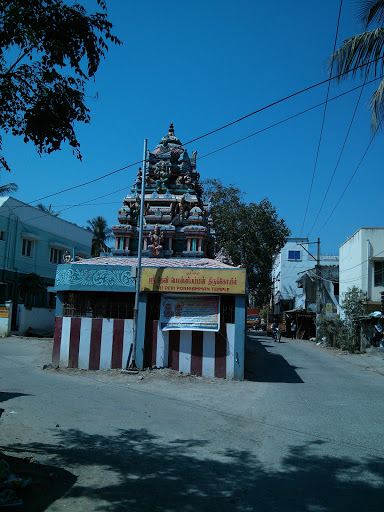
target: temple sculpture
176 221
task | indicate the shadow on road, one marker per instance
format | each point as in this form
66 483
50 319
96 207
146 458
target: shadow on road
261 365
143 472
48 483
4 396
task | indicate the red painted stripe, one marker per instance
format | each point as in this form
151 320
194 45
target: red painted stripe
221 352
197 353
57 340
74 343
94 351
117 343
154 342
174 349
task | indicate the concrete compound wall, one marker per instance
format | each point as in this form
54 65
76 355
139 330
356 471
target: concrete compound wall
92 343
5 321
209 354
102 344
36 318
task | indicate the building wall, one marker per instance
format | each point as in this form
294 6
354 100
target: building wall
19 221
286 271
357 260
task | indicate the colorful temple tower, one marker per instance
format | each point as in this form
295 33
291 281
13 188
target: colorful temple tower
191 305
176 221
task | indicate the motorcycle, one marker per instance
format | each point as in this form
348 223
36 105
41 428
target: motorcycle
276 334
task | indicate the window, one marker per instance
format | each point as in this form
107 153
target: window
56 255
294 255
379 273
27 247
2 235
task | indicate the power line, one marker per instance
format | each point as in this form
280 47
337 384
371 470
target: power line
322 123
223 147
328 80
338 160
287 119
350 179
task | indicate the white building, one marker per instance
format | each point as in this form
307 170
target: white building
292 261
362 265
32 243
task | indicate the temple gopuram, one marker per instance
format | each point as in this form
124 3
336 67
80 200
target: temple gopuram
192 308
176 222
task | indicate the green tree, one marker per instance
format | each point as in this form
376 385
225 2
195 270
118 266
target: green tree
353 305
48 209
49 50
251 233
101 234
363 48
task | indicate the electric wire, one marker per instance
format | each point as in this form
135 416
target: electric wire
322 122
338 160
216 150
286 119
350 181
328 80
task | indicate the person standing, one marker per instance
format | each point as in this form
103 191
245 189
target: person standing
293 330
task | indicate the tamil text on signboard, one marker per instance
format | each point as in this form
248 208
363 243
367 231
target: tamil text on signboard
178 280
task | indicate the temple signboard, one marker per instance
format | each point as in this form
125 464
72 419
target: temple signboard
186 280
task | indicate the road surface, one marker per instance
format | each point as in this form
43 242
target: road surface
303 433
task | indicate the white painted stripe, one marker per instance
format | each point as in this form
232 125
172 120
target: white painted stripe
230 363
185 351
64 346
208 354
128 339
106 344
85 343
162 348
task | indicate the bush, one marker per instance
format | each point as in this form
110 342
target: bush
337 333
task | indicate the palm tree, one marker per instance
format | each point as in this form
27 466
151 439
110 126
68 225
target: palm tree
363 48
48 209
7 189
101 233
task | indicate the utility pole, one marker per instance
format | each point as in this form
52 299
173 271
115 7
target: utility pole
318 290
319 284
138 270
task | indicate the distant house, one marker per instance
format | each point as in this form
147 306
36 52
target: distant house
32 243
292 262
328 290
362 265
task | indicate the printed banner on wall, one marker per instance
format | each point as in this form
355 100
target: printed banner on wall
187 280
190 313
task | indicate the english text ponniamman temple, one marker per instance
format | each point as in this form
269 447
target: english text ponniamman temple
191 313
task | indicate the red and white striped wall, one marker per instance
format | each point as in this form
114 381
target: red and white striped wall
210 354
92 343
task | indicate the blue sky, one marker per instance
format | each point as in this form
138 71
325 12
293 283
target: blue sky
201 65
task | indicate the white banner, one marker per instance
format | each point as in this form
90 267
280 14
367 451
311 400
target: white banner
194 313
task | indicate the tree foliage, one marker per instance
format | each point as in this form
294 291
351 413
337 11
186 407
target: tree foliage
47 209
101 234
49 50
363 48
8 188
251 233
352 303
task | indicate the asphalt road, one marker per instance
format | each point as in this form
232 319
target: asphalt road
304 432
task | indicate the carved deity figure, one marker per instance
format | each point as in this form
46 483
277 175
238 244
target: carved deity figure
157 239
162 182
67 257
